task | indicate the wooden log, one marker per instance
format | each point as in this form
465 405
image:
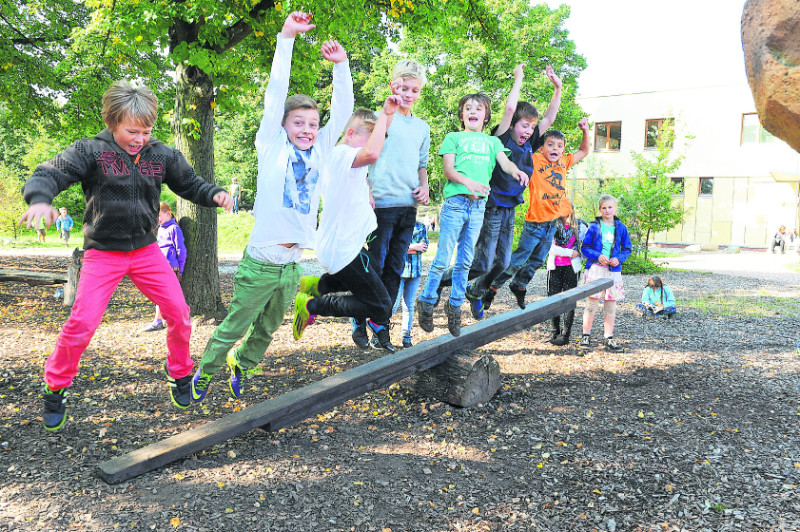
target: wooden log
465 379
320 396
73 276
32 277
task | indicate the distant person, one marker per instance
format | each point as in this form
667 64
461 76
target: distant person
657 300
236 192
606 246
41 230
64 225
121 213
409 281
780 239
170 241
563 267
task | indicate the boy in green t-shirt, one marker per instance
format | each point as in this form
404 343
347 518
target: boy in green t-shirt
469 157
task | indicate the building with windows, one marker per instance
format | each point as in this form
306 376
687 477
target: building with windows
739 182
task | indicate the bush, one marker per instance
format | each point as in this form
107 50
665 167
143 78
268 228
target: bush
637 264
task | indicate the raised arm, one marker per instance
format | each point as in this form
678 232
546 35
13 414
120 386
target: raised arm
555 102
342 101
511 101
372 149
585 147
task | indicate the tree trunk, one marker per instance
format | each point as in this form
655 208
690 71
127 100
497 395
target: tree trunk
464 379
193 129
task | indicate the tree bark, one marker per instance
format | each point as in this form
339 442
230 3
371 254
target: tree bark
464 379
193 129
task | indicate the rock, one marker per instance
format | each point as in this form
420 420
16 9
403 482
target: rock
733 249
694 248
772 61
709 246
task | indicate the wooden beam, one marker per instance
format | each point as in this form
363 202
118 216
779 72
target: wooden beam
32 277
320 396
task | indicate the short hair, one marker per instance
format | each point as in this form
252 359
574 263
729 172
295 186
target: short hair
298 101
124 100
164 207
480 97
524 110
62 209
408 68
605 198
362 119
556 134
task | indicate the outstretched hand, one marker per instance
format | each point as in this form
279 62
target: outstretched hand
553 77
391 104
333 52
518 72
521 177
36 212
297 22
583 124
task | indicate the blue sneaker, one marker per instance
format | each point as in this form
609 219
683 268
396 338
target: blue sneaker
180 390
475 304
200 384
55 408
236 381
381 340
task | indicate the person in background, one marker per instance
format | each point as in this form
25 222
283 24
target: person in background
657 300
409 282
64 224
236 193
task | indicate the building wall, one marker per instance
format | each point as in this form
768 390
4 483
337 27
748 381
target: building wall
747 205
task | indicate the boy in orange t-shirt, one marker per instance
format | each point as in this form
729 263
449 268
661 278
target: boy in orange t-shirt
547 187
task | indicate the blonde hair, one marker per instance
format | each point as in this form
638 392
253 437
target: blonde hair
606 198
362 119
124 100
408 68
298 101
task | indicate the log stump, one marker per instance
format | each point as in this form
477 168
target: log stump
465 379
73 275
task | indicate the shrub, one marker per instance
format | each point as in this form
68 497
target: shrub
638 264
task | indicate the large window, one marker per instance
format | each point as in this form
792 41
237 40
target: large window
652 129
607 136
753 132
706 185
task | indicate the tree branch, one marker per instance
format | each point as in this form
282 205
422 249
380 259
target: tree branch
239 31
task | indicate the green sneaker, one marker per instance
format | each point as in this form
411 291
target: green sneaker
55 408
238 374
302 318
200 384
310 285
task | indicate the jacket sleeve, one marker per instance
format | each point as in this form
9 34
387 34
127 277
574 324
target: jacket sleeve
625 247
181 178
58 174
180 247
342 103
587 249
275 95
647 296
669 297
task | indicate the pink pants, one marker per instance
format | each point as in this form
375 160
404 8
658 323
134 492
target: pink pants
102 271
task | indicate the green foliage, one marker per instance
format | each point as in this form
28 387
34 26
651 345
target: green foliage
640 264
13 206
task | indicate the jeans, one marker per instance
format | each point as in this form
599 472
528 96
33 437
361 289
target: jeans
406 297
664 313
235 209
532 248
367 298
388 244
460 221
262 293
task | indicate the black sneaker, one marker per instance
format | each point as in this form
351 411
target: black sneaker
612 345
407 342
360 337
552 337
561 339
425 315
488 297
381 332
180 390
55 408
519 293
453 318
586 342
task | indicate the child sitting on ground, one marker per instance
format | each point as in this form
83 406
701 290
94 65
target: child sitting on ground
469 157
121 171
291 148
347 219
657 300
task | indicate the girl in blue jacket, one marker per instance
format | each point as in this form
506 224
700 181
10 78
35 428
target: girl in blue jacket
606 246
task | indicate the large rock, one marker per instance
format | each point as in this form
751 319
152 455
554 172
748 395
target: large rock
771 43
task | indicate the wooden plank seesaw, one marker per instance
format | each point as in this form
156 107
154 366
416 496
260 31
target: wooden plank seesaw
322 395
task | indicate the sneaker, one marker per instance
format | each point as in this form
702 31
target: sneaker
561 339
157 325
475 305
55 408
425 315
309 284
407 342
586 342
453 318
180 390
612 345
360 337
381 332
488 297
519 293
200 384
552 337
302 318
236 381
